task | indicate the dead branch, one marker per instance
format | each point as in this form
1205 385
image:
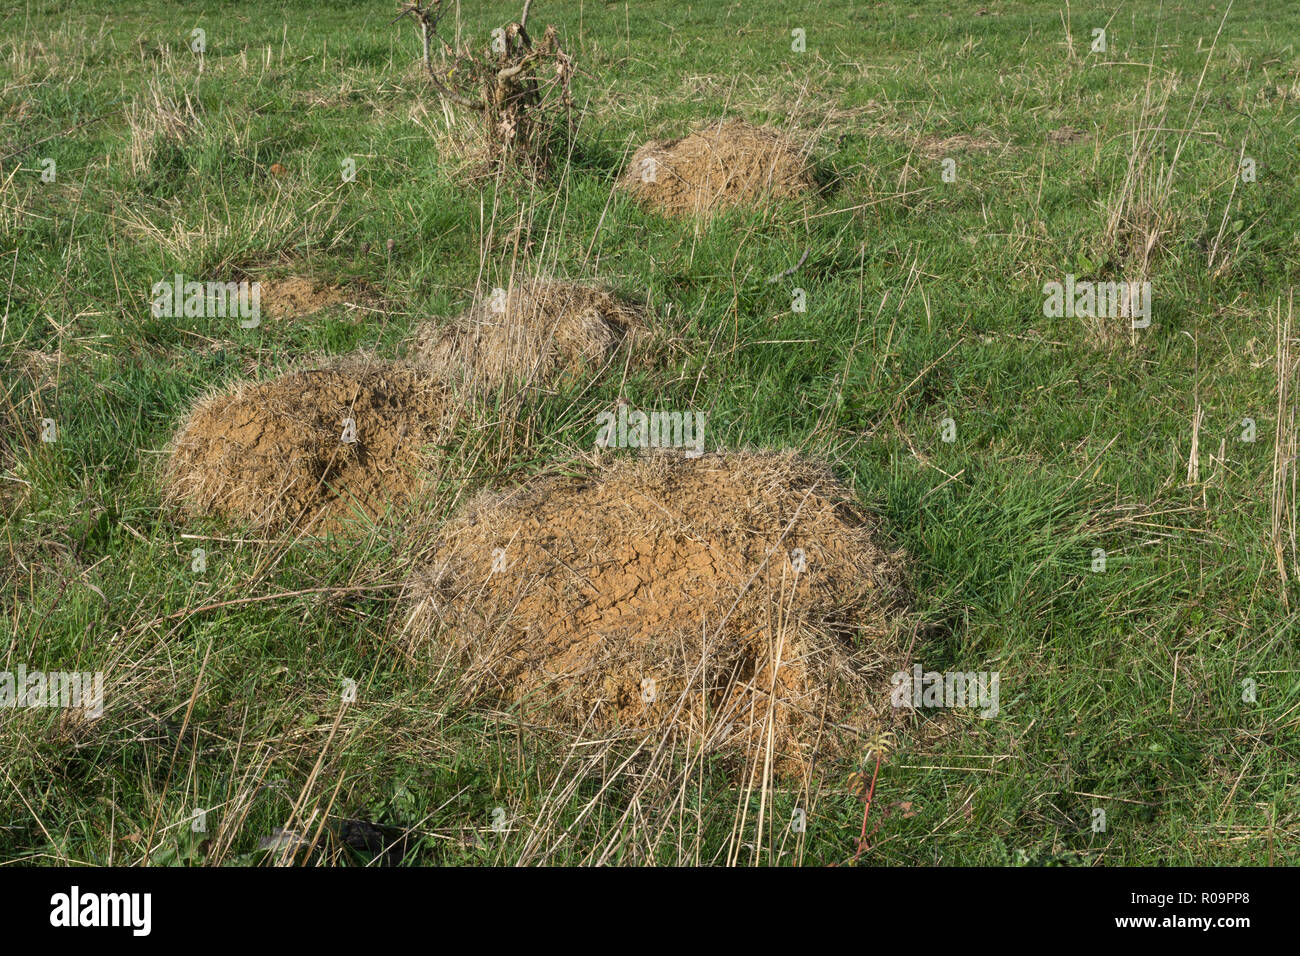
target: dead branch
520 87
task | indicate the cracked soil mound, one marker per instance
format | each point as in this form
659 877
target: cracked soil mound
538 331
274 453
718 596
723 165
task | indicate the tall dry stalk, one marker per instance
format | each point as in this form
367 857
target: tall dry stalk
1283 499
1142 213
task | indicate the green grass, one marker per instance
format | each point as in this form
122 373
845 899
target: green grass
1120 690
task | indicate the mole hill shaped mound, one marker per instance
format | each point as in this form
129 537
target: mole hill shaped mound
537 332
727 164
310 448
719 596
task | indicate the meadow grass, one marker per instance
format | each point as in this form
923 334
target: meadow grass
1121 690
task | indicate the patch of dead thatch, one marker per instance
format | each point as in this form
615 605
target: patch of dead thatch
538 331
727 164
277 452
937 147
737 599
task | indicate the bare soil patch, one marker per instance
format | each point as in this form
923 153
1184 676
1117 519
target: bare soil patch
1066 135
280 452
723 165
294 297
721 598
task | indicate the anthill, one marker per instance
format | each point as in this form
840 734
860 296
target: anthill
723 165
736 599
312 447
